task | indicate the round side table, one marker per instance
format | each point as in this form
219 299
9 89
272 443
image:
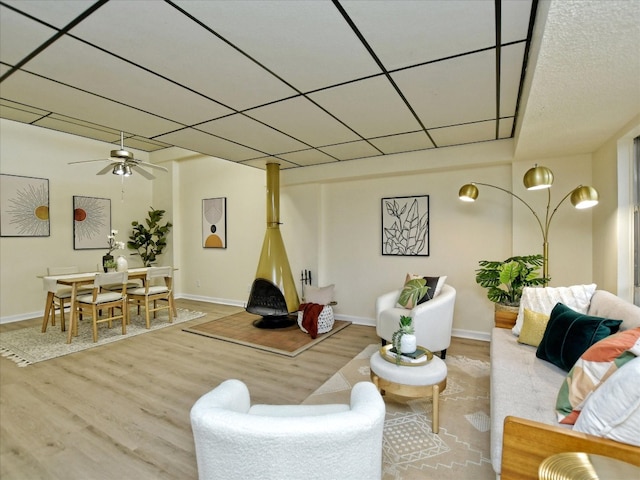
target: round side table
414 381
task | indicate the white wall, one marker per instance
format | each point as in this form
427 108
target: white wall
37 152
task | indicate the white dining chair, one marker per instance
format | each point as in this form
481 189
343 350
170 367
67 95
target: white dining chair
150 293
109 301
62 295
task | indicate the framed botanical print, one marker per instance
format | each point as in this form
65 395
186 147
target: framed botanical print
214 222
91 223
405 226
24 206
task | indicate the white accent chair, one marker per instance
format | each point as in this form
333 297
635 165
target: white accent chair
237 441
432 320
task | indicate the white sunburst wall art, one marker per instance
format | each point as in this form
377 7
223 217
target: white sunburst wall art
91 223
24 206
214 222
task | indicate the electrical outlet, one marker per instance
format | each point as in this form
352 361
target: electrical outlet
198 283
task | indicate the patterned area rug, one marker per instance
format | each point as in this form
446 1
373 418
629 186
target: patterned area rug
238 328
411 450
29 345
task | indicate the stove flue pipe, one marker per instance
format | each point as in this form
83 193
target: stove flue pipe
274 264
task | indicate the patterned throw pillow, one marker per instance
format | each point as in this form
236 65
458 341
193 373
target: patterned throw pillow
594 366
413 292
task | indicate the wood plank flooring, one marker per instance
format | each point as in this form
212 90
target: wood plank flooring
122 411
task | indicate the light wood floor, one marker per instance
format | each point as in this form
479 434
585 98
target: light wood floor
122 411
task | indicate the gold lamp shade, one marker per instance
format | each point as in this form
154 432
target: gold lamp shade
538 178
468 193
584 196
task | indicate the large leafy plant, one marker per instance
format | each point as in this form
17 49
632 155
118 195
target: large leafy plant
149 238
505 280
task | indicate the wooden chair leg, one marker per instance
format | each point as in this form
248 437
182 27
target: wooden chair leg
95 323
146 306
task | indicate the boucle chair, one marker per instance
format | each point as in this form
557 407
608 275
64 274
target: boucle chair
432 320
237 441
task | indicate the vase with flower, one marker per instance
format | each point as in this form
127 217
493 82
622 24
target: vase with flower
112 244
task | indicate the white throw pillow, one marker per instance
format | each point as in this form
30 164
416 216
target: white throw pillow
319 295
543 299
613 410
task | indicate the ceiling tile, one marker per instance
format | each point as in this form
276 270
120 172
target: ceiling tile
371 107
510 72
183 51
515 20
405 142
404 33
460 90
59 13
31 89
351 150
506 126
307 157
242 129
63 124
19 36
106 75
303 120
265 29
461 134
11 112
204 143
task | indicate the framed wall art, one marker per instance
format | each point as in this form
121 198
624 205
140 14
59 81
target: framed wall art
214 222
24 206
91 223
405 226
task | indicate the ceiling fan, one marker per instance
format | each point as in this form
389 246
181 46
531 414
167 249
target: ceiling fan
123 163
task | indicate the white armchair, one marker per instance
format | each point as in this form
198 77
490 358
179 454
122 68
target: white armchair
236 441
432 320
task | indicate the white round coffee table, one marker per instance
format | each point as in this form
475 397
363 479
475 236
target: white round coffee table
414 381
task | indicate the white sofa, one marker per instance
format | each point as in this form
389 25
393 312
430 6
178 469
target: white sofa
432 320
525 386
237 441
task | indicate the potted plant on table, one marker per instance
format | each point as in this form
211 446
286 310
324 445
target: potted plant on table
403 339
505 281
149 239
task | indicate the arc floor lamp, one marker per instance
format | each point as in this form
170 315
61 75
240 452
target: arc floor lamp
539 178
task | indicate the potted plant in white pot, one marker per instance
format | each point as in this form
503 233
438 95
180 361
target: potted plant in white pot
403 339
504 282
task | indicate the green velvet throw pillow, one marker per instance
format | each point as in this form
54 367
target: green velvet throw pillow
569 334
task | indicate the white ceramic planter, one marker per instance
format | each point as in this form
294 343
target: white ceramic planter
408 343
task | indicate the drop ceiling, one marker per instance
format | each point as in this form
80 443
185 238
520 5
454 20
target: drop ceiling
300 82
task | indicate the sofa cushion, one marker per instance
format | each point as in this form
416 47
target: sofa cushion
543 299
613 411
533 327
569 334
606 304
595 365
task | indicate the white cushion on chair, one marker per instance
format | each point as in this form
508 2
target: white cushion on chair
100 298
152 290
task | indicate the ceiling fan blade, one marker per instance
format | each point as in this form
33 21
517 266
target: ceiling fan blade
142 172
89 161
106 169
151 165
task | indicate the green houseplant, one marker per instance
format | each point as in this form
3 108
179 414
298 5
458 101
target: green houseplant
406 328
505 281
149 238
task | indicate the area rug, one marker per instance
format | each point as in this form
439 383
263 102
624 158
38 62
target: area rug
29 345
410 450
238 328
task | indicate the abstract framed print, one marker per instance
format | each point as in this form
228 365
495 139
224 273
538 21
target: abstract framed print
405 226
91 223
214 222
24 206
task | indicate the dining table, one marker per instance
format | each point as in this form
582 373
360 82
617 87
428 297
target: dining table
76 280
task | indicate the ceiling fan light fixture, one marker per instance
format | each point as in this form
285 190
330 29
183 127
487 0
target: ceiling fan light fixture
127 171
119 169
